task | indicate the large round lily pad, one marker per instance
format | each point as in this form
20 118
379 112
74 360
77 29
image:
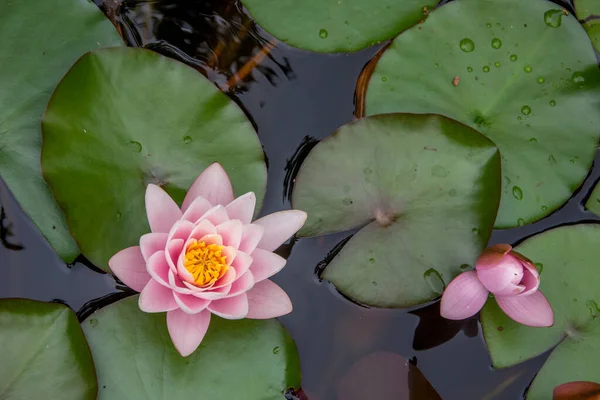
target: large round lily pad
568 258
39 41
135 359
521 73
123 118
44 353
588 11
425 191
336 26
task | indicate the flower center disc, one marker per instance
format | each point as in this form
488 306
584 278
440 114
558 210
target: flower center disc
205 262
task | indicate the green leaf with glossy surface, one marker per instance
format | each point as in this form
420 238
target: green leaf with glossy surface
39 41
588 11
44 354
336 26
425 190
568 257
123 118
521 73
135 359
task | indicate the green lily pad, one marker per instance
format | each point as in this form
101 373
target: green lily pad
44 353
123 118
568 258
39 41
425 191
588 11
135 359
519 72
337 26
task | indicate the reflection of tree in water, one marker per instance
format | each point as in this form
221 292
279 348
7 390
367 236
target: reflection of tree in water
215 37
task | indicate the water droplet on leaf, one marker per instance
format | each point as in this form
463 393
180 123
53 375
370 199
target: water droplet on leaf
496 43
533 140
486 68
551 159
489 25
439 171
135 146
497 64
528 68
276 350
187 140
469 69
517 193
467 45
323 34
513 57
544 208
520 222
577 77
464 267
553 18
383 79
93 322
525 110
434 280
552 103
541 79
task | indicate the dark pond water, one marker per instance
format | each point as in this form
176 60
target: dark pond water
294 99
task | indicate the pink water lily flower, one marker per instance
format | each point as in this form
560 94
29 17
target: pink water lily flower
510 277
207 258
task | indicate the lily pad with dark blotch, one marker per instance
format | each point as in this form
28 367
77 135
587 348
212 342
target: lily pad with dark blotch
44 353
568 260
424 191
135 359
123 118
39 41
588 12
523 73
337 25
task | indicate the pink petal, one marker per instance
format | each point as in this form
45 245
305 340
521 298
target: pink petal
158 268
241 263
187 330
503 279
227 279
242 208
531 278
492 256
183 273
531 310
190 304
197 209
156 298
174 249
216 215
212 238
265 264
242 284
230 253
161 209
279 227
231 232
176 283
267 300
203 228
463 297
130 267
150 243
212 294
231 307
578 390
251 235
181 230
213 184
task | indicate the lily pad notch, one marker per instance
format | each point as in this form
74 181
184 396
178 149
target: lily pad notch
423 190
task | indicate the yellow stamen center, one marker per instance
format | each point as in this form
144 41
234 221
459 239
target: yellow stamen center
205 262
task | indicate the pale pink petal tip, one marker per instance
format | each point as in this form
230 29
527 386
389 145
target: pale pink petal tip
279 227
187 330
267 300
130 267
492 255
213 184
531 310
242 208
162 211
463 297
504 278
156 298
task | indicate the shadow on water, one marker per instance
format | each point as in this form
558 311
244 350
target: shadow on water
294 98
